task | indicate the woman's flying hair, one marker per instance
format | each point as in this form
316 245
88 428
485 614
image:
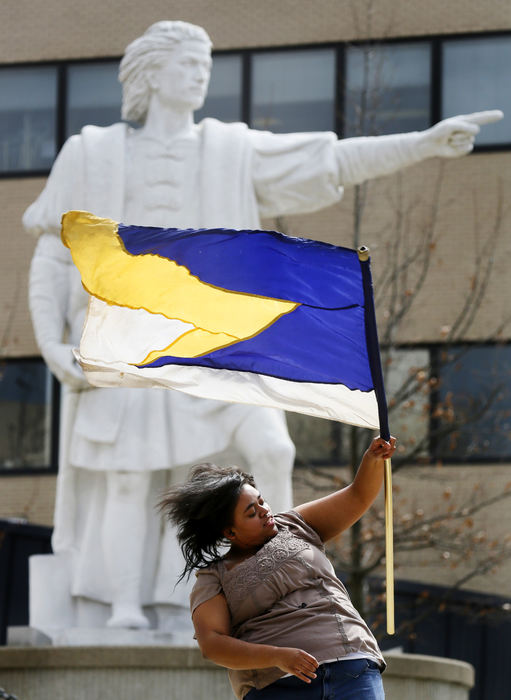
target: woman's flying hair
146 52
201 509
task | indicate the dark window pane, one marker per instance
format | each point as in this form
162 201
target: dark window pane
476 77
224 95
93 95
408 398
293 90
475 403
25 415
27 118
387 89
317 441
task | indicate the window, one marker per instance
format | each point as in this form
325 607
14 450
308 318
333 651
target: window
224 94
407 372
317 441
27 118
324 442
451 404
474 403
293 90
93 95
26 395
476 77
387 89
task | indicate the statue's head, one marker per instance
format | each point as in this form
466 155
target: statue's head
163 43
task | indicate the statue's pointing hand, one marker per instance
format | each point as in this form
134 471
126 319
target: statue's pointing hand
455 136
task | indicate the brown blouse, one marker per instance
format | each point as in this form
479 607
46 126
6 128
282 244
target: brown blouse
287 595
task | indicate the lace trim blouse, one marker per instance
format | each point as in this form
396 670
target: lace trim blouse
287 594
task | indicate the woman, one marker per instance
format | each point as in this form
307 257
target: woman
271 609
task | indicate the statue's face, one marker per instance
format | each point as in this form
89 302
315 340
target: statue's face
182 80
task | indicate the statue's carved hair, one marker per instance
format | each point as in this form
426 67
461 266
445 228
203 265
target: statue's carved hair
202 508
144 53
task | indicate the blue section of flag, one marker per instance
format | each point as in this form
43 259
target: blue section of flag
267 263
323 340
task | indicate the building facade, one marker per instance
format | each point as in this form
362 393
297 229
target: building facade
439 232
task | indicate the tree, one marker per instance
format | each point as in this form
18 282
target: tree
431 421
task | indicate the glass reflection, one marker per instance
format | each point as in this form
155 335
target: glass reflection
224 94
293 90
93 95
474 403
476 77
387 89
25 415
27 118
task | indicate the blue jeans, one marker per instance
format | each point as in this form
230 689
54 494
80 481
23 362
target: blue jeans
358 679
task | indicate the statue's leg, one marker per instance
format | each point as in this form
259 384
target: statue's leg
123 536
173 610
263 440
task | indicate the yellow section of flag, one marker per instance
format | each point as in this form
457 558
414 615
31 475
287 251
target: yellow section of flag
160 286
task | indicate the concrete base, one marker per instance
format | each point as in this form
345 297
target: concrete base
179 673
418 677
60 616
97 637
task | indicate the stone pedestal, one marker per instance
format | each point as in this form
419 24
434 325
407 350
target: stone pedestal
418 677
180 673
98 637
66 620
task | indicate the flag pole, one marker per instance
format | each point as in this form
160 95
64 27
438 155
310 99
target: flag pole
389 549
374 358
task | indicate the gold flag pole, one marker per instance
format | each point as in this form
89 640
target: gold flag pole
389 549
363 256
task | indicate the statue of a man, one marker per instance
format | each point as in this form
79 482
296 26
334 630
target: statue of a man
118 445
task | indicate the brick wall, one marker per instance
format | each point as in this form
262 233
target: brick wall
73 28
16 335
32 497
471 204
29 497
468 213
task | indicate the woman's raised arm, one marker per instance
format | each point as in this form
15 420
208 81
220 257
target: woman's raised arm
334 513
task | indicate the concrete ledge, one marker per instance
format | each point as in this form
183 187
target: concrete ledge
103 657
180 673
434 668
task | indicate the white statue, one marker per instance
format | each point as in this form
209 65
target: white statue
119 446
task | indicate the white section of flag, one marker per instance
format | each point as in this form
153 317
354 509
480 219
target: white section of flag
331 401
118 333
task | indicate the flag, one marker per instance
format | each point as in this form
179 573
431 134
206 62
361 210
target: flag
253 317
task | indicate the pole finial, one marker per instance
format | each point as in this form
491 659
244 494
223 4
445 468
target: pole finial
363 253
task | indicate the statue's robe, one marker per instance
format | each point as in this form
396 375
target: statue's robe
242 175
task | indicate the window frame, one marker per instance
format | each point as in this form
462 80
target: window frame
339 432
61 67
244 76
436 42
246 54
438 80
434 446
435 78
336 47
54 408
434 350
40 172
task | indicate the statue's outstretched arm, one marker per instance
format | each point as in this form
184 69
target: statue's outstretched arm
367 157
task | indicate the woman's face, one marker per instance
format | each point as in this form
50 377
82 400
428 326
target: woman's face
253 523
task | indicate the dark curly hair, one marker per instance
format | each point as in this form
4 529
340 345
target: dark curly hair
202 508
